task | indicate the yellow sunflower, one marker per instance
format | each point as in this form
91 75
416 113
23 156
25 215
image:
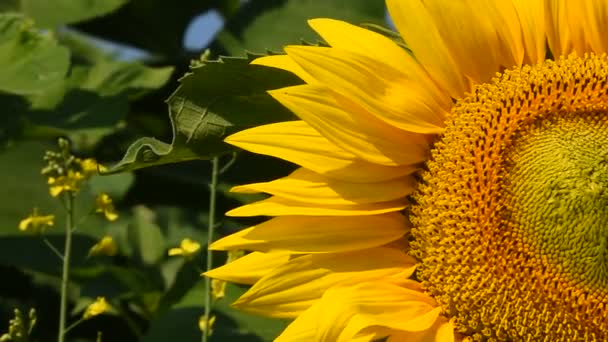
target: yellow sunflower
455 192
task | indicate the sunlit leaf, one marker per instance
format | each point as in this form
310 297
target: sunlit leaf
58 12
30 60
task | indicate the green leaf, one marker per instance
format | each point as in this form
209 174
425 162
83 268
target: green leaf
30 61
85 106
146 237
270 25
215 100
59 12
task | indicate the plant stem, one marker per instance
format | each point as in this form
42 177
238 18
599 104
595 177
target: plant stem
52 248
210 229
73 325
65 275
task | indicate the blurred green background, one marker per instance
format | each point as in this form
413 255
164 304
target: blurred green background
100 72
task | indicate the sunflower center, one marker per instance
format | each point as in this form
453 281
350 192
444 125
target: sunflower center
511 220
559 195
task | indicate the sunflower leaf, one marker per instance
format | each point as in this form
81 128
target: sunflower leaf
214 100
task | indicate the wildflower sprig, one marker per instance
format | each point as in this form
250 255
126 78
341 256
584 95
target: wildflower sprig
66 174
20 328
187 248
36 223
96 308
106 246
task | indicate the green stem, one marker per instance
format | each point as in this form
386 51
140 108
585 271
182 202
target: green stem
52 248
73 325
210 230
65 275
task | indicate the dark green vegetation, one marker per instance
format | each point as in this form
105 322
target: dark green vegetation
58 80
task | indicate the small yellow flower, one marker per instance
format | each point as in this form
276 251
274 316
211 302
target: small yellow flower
206 325
105 246
69 183
218 288
36 223
99 306
105 206
187 249
89 167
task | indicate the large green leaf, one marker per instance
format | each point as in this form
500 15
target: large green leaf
30 61
58 12
262 25
84 106
216 99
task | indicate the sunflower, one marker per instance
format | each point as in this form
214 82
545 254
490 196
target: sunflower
454 190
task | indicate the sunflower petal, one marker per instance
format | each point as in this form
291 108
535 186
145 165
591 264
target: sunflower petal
346 310
565 24
314 234
468 29
249 268
355 131
299 143
340 34
345 36
290 289
277 206
415 24
380 89
286 63
595 24
441 331
532 19
309 187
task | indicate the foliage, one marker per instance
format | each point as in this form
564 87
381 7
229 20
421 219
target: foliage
67 69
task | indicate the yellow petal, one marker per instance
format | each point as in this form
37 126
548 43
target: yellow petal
593 15
293 287
340 34
532 19
25 223
314 234
346 310
175 251
286 63
277 206
469 29
415 24
249 268
441 331
565 22
310 187
381 90
297 142
356 131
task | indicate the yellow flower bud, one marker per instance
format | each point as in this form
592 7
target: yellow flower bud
99 306
187 249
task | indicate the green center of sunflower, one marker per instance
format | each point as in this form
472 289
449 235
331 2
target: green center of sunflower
559 186
511 218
